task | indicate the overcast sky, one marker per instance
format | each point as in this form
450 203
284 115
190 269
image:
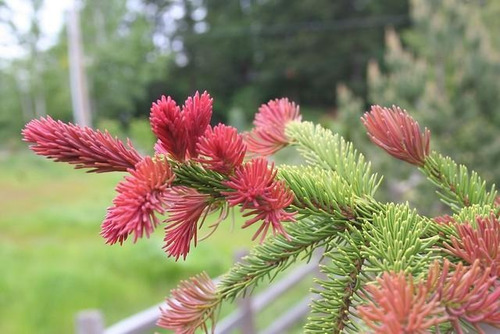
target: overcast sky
52 19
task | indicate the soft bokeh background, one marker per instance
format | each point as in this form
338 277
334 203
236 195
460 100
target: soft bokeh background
438 59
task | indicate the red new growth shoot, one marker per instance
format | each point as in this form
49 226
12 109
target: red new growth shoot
141 196
260 194
268 136
397 133
80 146
190 306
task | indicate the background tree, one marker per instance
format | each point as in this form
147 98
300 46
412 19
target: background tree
28 98
448 76
123 59
247 52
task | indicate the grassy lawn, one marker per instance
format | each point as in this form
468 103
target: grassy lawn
54 263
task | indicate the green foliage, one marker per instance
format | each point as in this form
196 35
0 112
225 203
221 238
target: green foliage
11 121
57 82
112 126
122 63
456 187
470 213
199 178
443 70
277 253
323 149
395 241
243 52
346 123
318 191
332 311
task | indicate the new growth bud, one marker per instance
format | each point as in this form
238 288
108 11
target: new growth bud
398 134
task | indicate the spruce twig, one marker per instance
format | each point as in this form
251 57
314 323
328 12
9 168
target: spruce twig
457 187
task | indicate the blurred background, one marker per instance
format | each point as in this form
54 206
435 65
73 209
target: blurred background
102 64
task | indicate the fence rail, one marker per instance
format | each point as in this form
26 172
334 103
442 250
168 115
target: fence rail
243 318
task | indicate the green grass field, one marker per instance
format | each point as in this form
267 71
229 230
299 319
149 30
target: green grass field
54 262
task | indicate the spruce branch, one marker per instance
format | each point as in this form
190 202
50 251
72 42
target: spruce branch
333 311
456 186
320 147
374 250
195 176
470 213
277 253
323 192
319 192
398 241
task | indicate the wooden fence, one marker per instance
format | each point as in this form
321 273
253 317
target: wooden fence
243 318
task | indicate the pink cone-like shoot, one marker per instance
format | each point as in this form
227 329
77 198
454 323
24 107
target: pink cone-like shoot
186 207
397 133
480 242
255 188
197 112
190 306
80 146
398 305
268 136
221 149
178 130
141 196
168 124
468 292
444 220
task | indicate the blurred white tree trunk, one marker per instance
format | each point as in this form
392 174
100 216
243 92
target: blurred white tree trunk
78 79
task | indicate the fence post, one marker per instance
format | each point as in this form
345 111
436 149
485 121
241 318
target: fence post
245 305
89 322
